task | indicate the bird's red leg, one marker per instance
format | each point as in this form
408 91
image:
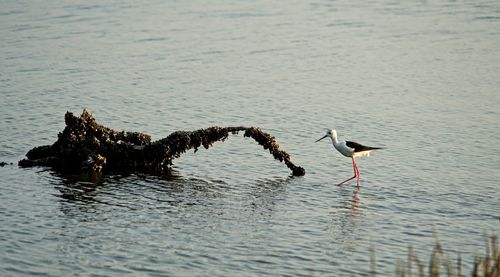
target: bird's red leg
355 173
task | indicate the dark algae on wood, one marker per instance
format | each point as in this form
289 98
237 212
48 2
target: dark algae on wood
87 147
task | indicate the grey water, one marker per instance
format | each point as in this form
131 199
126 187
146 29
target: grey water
419 78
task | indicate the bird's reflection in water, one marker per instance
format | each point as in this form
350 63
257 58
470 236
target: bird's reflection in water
355 204
346 221
345 217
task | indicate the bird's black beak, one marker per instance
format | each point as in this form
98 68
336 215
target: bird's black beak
322 138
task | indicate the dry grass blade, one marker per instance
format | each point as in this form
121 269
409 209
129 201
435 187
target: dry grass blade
485 266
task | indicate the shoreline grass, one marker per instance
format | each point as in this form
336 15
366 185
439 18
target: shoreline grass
441 264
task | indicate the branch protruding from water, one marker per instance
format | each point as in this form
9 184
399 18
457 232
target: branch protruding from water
85 146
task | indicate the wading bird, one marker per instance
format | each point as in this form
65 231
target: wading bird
349 149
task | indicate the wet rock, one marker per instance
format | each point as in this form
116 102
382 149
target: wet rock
2 164
85 146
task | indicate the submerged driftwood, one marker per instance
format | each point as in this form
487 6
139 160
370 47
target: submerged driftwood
85 146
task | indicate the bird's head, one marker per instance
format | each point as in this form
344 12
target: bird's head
329 133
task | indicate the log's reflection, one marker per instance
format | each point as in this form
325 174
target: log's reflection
91 197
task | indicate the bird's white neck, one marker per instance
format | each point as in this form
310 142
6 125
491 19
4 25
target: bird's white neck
333 136
335 141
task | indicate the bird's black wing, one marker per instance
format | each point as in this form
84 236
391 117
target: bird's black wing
359 147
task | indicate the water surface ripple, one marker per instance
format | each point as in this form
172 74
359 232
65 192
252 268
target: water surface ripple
419 78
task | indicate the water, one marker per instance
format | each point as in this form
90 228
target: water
420 79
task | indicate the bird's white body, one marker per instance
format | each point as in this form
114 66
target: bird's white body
342 148
345 150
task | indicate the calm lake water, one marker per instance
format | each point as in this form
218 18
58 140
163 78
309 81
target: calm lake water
419 78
